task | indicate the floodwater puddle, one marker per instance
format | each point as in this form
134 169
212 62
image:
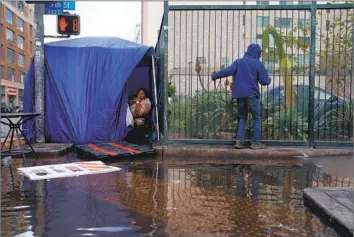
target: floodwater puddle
154 199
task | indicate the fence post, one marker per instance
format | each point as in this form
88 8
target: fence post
164 67
312 74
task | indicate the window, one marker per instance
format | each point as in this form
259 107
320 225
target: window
262 21
304 2
20 97
259 38
286 2
10 36
225 62
10 55
283 22
21 60
20 6
2 94
264 2
322 94
31 30
19 24
9 16
21 77
303 23
305 39
10 74
1 71
201 60
269 66
302 59
20 42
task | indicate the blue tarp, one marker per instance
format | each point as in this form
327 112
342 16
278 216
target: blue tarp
87 84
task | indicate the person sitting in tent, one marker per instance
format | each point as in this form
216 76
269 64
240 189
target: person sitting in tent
140 107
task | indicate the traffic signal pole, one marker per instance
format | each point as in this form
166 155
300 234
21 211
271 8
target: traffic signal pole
39 68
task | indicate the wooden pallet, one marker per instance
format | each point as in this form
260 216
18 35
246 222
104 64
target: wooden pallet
113 149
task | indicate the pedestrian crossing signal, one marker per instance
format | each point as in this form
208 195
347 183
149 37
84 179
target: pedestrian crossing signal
68 24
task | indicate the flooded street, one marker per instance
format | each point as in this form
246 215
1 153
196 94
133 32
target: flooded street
151 198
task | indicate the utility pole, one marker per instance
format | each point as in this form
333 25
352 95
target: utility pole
39 81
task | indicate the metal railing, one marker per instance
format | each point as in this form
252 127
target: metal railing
307 50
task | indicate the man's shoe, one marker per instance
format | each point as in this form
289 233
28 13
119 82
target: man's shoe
258 145
240 145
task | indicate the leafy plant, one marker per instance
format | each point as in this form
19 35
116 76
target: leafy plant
285 124
214 112
336 123
180 111
171 89
285 64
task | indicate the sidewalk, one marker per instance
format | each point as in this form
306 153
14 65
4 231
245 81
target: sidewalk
335 203
225 151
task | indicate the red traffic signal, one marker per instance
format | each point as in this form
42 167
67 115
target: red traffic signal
68 24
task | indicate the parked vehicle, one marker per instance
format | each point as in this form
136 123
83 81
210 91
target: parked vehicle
5 108
324 100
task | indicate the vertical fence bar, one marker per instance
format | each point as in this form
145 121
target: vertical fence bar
339 70
345 76
185 74
312 74
197 79
202 74
165 72
326 69
332 73
319 75
209 72
352 77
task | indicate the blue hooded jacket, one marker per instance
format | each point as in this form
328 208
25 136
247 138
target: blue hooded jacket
247 72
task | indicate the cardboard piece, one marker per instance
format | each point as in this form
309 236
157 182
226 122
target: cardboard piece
66 170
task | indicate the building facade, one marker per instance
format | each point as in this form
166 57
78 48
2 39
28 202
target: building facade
17 48
137 34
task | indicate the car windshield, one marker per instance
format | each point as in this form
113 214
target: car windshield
322 94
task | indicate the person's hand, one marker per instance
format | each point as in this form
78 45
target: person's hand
136 100
213 76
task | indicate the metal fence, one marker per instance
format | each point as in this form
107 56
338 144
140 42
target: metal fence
307 50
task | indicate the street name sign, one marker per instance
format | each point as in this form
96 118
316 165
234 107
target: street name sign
56 8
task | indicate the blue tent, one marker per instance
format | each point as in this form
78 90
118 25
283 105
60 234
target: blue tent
87 84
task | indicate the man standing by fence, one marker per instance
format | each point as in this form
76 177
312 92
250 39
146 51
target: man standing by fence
247 72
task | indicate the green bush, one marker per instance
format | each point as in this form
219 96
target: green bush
212 113
171 89
336 124
203 116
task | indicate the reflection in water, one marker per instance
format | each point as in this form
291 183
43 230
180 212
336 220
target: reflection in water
152 199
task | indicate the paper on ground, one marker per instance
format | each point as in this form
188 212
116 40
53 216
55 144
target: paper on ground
66 170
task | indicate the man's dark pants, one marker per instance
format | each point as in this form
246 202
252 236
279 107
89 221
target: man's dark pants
244 105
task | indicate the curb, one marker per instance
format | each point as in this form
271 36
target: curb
230 152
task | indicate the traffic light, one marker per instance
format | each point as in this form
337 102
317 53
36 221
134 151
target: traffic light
68 24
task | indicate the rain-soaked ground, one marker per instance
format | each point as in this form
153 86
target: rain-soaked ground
150 198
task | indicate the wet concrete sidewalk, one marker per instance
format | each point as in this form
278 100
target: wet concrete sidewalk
228 151
335 203
44 149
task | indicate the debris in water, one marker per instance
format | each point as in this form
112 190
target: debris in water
7 161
